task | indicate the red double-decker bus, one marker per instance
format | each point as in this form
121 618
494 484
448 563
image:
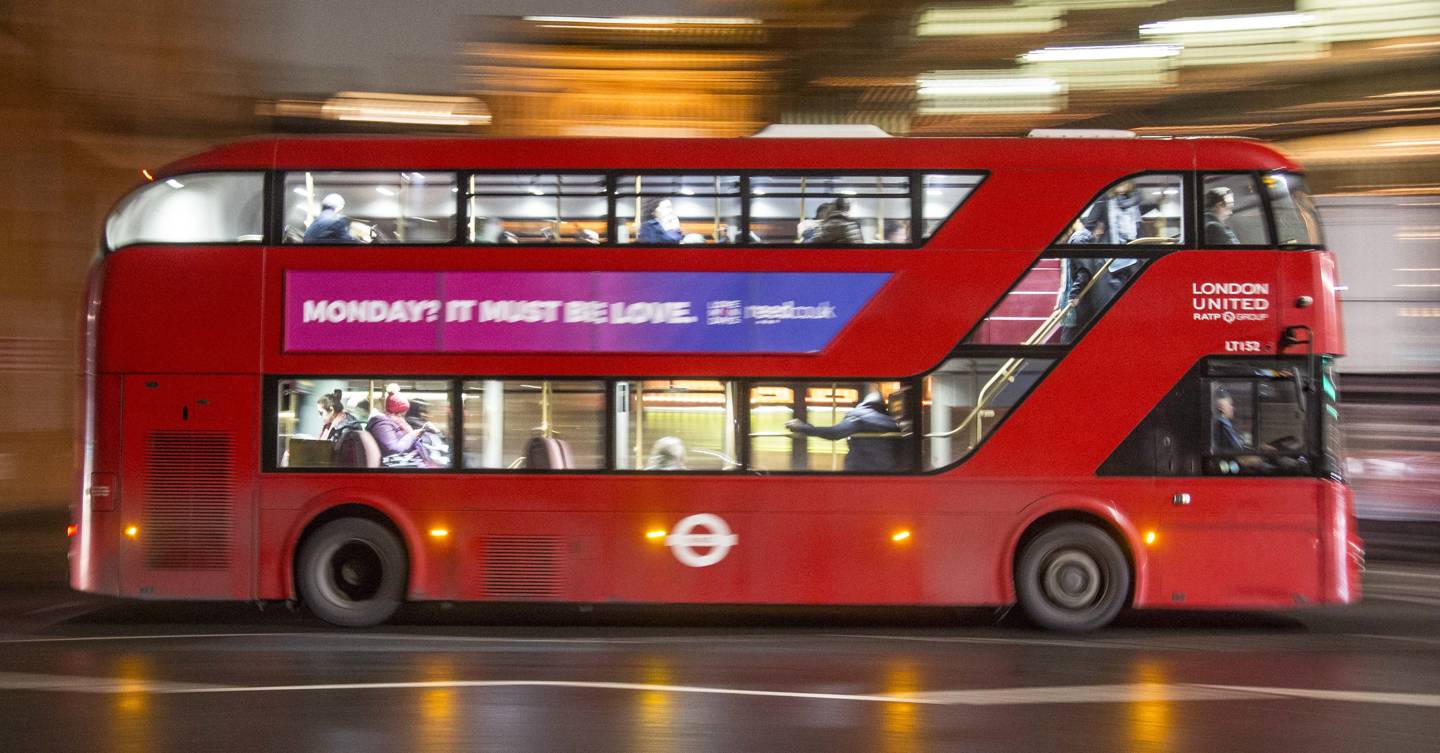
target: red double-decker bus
1080 374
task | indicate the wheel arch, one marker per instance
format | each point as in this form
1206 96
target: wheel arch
354 503
1051 511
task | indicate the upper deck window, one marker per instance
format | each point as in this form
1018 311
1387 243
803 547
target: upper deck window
1233 214
670 209
370 207
943 195
1140 210
195 208
830 210
538 209
1297 223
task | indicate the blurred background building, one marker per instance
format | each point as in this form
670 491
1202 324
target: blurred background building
93 92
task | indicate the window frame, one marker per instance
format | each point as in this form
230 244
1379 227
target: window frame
1188 239
1311 451
1271 218
267 210
465 194
1266 215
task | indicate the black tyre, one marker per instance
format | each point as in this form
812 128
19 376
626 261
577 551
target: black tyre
352 572
1072 577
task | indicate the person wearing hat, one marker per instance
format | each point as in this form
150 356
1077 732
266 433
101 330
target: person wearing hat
331 226
395 435
867 453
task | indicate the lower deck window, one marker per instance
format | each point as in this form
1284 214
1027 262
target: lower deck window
534 424
675 425
360 423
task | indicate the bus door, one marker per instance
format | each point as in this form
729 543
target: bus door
1245 532
187 486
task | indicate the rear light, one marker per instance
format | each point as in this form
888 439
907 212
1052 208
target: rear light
70 530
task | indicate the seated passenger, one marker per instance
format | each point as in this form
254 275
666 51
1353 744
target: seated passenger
668 454
340 427
1225 438
837 227
866 453
400 444
331 226
1219 205
808 229
661 224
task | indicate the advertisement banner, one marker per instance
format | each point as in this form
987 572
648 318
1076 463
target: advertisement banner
571 312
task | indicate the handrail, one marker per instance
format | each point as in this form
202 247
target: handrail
1006 373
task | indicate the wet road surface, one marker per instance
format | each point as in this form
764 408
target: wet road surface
79 673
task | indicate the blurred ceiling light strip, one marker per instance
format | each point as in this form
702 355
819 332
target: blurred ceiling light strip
1216 24
1425 93
1005 19
414 109
987 87
1364 20
644 20
1104 52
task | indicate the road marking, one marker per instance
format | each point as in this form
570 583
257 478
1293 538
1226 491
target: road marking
1372 571
1426 641
151 637
60 606
1048 695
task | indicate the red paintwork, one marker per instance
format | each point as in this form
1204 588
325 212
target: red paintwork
205 323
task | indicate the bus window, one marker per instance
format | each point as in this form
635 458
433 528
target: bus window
671 209
1056 300
370 207
1233 215
966 398
1257 425
1141 210
830 426
196 208
535 425
675 425
1297 222
538 209
830 210
363 423
943 195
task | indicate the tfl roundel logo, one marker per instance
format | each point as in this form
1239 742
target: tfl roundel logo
703 531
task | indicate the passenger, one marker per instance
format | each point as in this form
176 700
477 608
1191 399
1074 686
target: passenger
661 224
866 453
1075 275
808 229
1116 214
1081 233
1225 438
1219 206
837 227
668 454
331 226
341 429
400 444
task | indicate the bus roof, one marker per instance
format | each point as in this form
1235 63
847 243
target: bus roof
460 153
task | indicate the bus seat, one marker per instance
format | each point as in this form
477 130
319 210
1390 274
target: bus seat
548 453
372 448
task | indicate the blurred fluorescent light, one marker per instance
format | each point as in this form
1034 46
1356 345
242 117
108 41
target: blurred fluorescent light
381 107
645 20
385 191
1006 19
988 87
1103 52
1214 24
174 183
1412 109
1425 142
300 190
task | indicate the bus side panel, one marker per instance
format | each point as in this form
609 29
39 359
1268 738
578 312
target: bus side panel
187 486
181 310
95 547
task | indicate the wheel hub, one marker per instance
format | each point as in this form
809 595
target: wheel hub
1072 579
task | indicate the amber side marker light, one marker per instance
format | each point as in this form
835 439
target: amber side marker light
439 533
132 531
900 536
1150 538
654 535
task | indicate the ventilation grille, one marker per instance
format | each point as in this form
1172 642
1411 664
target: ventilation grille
521 567
189 503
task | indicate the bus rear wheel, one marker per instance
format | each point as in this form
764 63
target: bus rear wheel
352 572
1072 577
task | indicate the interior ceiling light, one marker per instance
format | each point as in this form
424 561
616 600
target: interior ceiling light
1102 52
644 20
383 107
1215 24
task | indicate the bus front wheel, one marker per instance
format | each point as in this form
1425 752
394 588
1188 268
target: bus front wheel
352 572
1072 577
